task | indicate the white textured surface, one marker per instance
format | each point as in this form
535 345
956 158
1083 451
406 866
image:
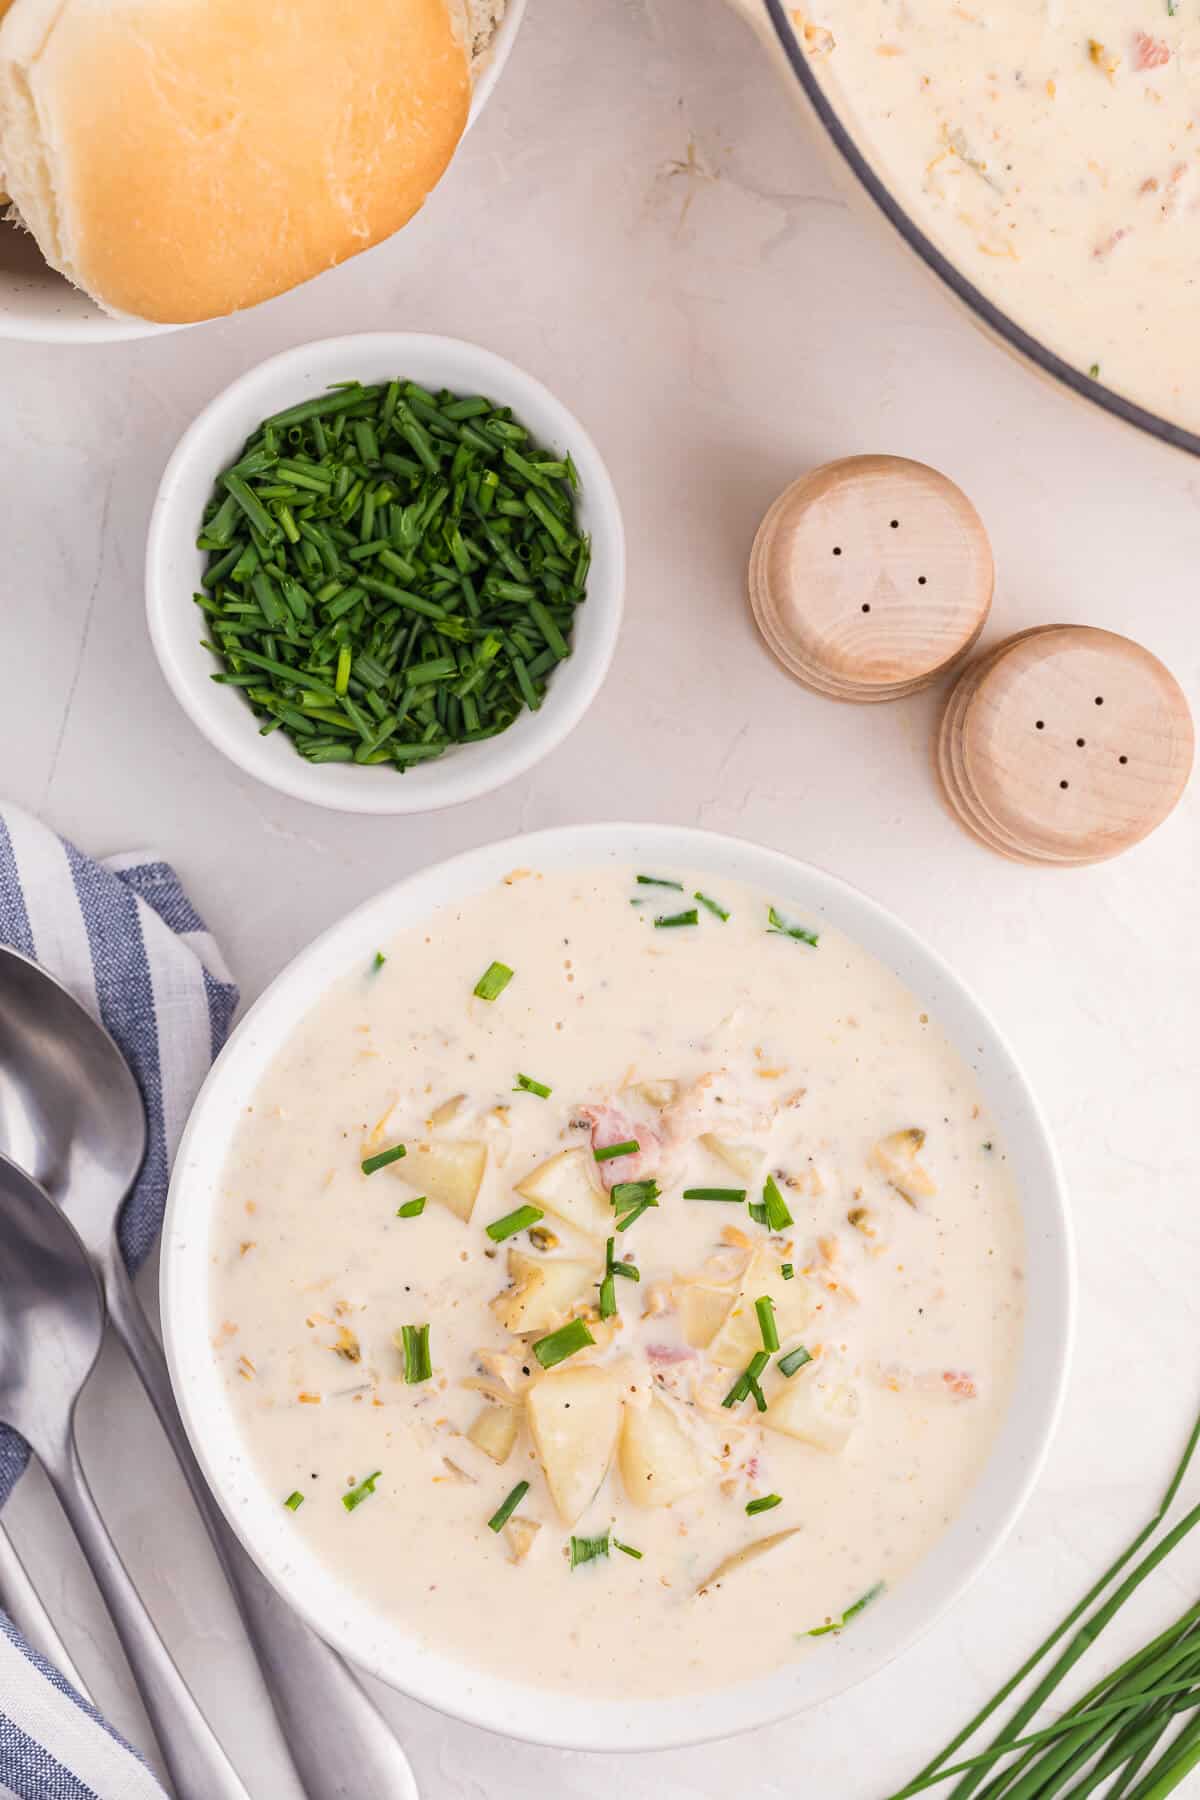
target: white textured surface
641 220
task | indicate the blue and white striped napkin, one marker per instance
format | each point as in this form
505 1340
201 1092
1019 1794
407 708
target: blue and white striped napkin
122 935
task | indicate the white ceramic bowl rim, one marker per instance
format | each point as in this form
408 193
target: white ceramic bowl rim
43 307
174 567
583 1722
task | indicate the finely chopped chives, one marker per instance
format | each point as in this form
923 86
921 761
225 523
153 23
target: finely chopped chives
519 1220
493 981
765 1503
527 1085
358 1494
294 1501
795 1359
414 1341
765 1308
665 921
734 1196
411 561
556 1346
508 1506
778 1218
371 1163
778 926
712 906
630 1147
412 1209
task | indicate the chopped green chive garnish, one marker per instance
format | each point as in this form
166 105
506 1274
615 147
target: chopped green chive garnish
415 1341
508 1507
787 1271
412 1209
294 1501
627 1549
734 1196
766 1504
1095 368
657 881
527 1085
747 1383
493 981
634 1193
778 1216
629 1148
795 1359
851 1612
608 1296
634 1214
666 920
358 1494
765 1308
380 959
585 1550
558 1345
758 1212
988 1145
780 926
622 1267
385 1157
512 1222
390 572
712 906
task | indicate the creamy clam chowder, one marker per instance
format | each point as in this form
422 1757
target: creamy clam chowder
1051 149
625 1322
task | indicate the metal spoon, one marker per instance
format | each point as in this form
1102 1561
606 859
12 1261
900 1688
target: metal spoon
71 1113
51 1329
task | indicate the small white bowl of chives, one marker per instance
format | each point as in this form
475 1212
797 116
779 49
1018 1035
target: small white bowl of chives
385 573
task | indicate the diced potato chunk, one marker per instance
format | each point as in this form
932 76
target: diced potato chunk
564 1186
818 1407
519 1535
494 1430
546 1291
895 1157
449 1171
574 1417
747 1554
740 1335
659 1462
745 1160
702 1312
658 1093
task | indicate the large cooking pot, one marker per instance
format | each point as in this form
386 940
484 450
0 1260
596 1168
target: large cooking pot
770 19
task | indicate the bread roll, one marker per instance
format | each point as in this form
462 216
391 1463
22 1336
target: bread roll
179 159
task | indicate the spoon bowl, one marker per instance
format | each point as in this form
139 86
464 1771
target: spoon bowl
70 1111
52 1320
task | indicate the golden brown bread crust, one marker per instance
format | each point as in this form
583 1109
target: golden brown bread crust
206 154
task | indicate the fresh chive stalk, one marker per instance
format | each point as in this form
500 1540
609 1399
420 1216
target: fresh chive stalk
732 1196
518 1220
611 1151
412 1209
587 1549
765 1503
294 1501
658 881
747 1383
527 1085
765 1308
711 906
778 926
795 1359
493 981
558 1345
787 1271
415 1344
363 1491
508 1506
665 921
371 1163
778 1218
851 1612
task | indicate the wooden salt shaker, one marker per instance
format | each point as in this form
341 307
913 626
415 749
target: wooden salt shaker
1064 745
870 576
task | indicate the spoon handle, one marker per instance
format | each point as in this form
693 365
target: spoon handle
198 1766
342 1747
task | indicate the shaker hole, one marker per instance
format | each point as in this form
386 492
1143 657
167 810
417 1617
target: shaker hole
1122 759
1064 784
895 524
1099 699
1040 725
866 606
920 581
837 549
1079 742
